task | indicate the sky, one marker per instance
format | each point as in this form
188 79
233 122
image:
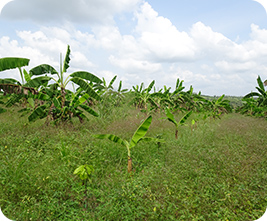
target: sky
218 47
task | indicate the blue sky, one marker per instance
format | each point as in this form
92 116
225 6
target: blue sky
219 47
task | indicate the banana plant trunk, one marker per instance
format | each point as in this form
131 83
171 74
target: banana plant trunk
63 94
176 134
129 164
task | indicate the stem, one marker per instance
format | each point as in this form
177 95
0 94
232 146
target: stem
129 164
21 75
176 134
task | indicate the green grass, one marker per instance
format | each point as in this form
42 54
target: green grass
216 172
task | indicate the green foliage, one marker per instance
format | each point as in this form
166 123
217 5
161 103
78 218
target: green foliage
211 174
182 121
12 63
84 171
255 103
137 136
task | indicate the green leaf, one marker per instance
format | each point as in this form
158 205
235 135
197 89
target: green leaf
86 76
56 103
111 82
84 171
66 60
2 110
152 139
43 69
9 81
185 117
27 77
120 85
141 131
31 102
43 97
170 117
260 83
219 99
150 86
86 87
252 94
12 63
89 110
38 81
39 112
112 138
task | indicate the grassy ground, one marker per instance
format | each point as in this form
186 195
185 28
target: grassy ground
215 172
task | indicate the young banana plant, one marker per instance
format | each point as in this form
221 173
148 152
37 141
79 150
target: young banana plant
138 136
170 117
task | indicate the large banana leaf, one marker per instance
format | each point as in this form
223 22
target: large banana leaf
89 110
27 77
111 82
38 81
150 86
42 69
111 137
12 63
66 60
39 112
9 81
170 117
185 117
140 132
86 76
252 94
262 91
219 99
260 83
86 87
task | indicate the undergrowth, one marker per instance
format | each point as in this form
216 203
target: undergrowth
214 171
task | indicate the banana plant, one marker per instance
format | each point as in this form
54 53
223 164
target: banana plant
13 63
219 106
171 118
143 97
63 104
85 174
261 94
138 136
28 87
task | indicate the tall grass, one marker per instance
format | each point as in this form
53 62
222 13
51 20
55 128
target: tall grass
215 172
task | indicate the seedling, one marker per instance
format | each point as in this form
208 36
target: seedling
170 117
84 172
138 136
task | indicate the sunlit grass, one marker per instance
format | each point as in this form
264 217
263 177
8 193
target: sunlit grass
215 172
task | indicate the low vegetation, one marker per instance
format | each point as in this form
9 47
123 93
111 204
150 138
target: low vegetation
54 166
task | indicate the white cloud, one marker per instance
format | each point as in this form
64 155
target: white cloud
153 49
82 11
161 38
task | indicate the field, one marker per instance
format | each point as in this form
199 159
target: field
215 170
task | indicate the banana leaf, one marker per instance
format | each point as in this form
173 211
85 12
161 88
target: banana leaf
111 82
86 76
86 87
141 131
111 137
38 113
170 117
12 63
42 69
66 60
89 110
185 117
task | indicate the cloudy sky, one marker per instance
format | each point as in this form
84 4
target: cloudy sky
219 47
